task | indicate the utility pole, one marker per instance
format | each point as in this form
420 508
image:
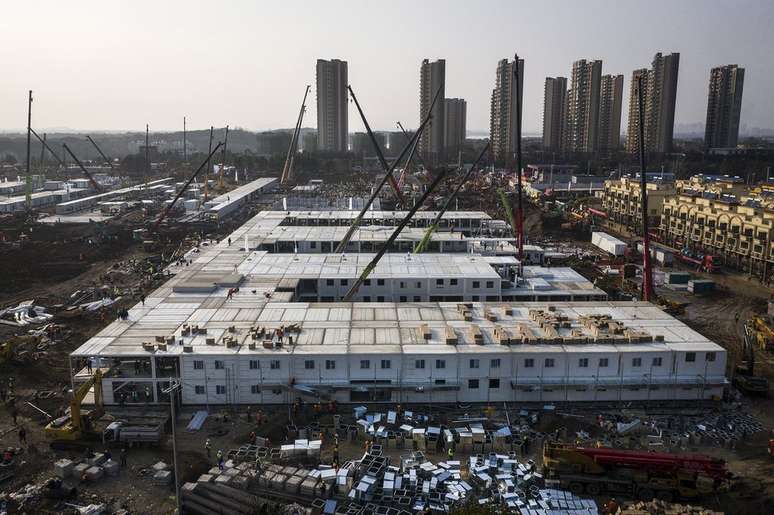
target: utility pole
647 274
29 133
147 155
519 205
223 160
174 386
185 148
207 170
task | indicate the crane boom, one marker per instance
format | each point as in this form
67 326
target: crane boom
287 170
185 187
45 145
434 226
356 222
378 149
83 168
370 266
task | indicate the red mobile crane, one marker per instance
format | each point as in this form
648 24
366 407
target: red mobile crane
636 473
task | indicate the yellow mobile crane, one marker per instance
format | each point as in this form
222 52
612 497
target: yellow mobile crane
75 424
763 331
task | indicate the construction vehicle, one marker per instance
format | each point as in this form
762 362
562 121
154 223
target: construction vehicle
702 262
131 433
641 474
77 423
744 373
762 327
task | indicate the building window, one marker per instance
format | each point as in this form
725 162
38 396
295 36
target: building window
420 363
386 363
690 357
473 384
367 282
365 363
490 284
417 298
198 364
657 362
402 284
218 365
494 383
220 389
529 363
549 363
710 356
274 364
495 363
474 363
199 390
419 284
330 364
583 362
603 362
343 282
476 284
254 389
636 362
313 244
329 282
453 282
309 364
439 282
253 364
403 298
380 282
380 299
367 298
440 363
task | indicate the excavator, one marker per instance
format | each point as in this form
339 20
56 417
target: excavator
744 374
77 423
762 328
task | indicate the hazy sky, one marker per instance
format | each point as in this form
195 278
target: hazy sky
114 65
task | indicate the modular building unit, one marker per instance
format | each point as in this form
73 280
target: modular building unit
608 243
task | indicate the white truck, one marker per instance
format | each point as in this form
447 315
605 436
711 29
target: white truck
128 433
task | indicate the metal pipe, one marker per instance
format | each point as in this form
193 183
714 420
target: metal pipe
356 222
83 168
647 273
185 187
377 148
207 171
370 267
223 159
419 156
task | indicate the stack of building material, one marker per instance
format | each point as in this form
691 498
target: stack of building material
701 286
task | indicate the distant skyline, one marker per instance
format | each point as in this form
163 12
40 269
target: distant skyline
114 66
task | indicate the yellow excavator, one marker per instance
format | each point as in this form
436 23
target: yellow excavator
763 331
74 425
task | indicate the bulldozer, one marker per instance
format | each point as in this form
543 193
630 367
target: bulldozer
78 423
762 327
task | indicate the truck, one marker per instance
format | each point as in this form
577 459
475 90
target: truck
123 432
638 474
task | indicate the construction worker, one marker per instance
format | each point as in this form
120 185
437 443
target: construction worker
22 435
220 459
123 456
208 447
450 453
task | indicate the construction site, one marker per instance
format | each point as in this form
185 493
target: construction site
204 337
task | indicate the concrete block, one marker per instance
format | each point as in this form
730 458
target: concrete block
79 469
162 477
160 466
223 479
205 478
97 460
94 473
111 468
63 468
